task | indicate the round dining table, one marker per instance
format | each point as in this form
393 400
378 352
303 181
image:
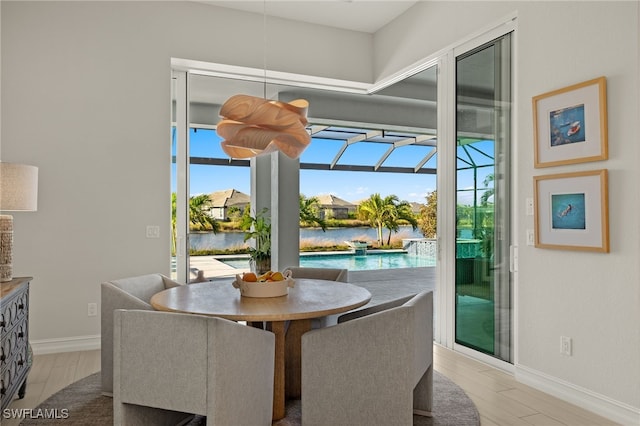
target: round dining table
288 317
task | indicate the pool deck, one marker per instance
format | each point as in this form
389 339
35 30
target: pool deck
384 284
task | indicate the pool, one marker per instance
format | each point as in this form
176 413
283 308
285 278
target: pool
370 261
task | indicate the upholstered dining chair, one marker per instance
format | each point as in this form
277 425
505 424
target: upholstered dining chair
168 366
125 293
329 274
368 310
372 370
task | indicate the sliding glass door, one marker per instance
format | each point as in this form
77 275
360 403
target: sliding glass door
482 277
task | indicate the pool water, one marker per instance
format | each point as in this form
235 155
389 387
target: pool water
370 261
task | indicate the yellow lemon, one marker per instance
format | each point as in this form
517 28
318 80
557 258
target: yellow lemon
276 276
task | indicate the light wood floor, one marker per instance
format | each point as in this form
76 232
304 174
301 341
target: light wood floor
499 398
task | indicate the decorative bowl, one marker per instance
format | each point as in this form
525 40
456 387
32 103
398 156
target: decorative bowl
263 289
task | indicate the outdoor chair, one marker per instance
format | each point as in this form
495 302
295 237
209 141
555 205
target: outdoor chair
126 293
373 370
170 366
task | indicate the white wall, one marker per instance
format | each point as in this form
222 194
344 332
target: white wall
85 96
593 298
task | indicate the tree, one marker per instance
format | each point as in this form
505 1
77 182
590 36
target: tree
309 212
400 211
374 210
484 199
428 215
385 212
198 215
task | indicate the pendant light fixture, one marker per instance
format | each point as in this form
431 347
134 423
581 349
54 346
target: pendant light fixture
252 126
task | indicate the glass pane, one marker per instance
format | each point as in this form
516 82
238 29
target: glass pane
483 310
218 195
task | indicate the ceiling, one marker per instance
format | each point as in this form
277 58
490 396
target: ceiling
357 15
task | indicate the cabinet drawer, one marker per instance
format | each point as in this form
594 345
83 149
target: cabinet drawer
13 311
14 338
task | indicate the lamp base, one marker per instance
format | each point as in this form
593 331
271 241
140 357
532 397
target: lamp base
6 247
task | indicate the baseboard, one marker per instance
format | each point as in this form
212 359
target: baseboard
599 404
65 344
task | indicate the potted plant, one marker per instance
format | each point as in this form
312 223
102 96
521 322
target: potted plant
258 228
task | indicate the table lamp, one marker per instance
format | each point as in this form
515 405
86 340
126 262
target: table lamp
18 192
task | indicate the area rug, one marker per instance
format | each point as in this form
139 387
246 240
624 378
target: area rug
81 404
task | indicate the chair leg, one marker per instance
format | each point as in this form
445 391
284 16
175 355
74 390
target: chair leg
423 394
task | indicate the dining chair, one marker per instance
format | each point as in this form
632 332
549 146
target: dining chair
372 309
169 366
126 293
376 369
329 274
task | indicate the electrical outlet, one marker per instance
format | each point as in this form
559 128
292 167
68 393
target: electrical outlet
92 309
565 345
531 237
153 231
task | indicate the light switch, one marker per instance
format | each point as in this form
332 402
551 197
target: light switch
529 206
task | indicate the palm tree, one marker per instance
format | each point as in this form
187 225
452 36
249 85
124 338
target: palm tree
400 211
377 212
198 215
309 216
484 199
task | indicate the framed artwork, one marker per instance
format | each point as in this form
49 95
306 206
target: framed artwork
572 211
570 124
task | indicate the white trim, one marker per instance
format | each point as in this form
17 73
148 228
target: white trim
484 358
65 344
484 35
446 212
584 398
268 76
515 195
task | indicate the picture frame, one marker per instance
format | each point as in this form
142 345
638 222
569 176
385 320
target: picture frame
572 211
570 124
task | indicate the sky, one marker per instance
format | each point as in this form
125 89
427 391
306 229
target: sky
350 186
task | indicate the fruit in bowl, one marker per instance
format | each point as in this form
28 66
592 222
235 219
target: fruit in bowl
270 284
269 276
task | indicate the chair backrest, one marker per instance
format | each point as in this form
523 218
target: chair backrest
125 293
422 306
374 308
194 364
144 286
330 274
386 355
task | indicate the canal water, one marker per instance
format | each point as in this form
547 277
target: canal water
315 236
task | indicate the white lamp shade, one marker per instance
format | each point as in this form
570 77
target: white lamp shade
18 187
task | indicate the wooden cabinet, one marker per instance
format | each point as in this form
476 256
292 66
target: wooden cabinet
15 354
